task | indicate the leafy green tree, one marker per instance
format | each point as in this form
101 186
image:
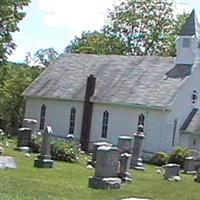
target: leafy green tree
42 57
146 26
96 43
17 78
45 56
11 12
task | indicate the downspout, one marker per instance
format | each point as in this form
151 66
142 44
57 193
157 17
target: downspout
87 113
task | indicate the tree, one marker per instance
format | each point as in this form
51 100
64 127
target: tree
96 43
11 12
147 27
42 57
16 77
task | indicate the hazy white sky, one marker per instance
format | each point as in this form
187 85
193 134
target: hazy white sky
50 23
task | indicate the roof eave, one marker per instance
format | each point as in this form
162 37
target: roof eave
131 105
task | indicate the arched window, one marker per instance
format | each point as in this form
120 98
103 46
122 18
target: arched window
105 124
141 119
72 120
42 117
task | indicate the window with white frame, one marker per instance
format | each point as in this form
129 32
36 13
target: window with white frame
72 120
42 116
105 124
141 119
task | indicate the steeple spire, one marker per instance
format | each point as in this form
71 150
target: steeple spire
188 43
191 26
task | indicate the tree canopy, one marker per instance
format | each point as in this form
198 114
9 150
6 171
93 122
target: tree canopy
11 12
42 57
14 79
96 43
134 27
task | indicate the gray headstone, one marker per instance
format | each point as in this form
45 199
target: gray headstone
195 154
44 159
197 179
171 171
189 165
24 137
136 160
124 174
46 142
30 123
106 169
107 162
96 145
70 138
125 144
7 162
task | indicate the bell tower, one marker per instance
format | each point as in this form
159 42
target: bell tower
188 43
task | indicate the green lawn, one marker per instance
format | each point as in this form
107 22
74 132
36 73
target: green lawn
70 181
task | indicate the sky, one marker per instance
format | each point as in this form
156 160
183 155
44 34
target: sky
50 23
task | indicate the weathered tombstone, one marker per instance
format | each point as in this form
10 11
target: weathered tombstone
197 179
70 138
30 123
194 153
189 165
124 174
136 160
125 144
106 169
44 159
197 163
7 162
24 137
172 171
96 145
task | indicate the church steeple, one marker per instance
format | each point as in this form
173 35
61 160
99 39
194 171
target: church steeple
188 43
189 28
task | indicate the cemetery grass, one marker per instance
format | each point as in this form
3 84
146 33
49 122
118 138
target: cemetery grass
70 181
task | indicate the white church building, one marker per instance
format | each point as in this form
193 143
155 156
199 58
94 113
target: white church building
99 97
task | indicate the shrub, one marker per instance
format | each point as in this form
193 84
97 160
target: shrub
178 156
65 151
36 143
160 158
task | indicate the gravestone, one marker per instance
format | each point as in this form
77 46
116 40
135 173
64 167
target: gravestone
106 169
189 165
70 138
44 159
30 123
197 164
124 174
96 145
172 171
197 179
136 160
125 144
24 137
7 162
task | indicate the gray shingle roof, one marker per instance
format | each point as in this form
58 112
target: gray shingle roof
191 26
119 79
